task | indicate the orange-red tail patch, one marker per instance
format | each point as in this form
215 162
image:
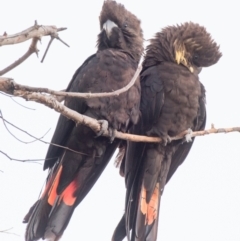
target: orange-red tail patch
68 194
52 194
150 209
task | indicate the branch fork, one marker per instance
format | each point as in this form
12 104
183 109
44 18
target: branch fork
36 32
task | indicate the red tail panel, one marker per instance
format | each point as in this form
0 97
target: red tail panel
52 194
150 210
68 195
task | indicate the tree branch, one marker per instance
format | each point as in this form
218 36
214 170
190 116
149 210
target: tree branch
11 84
7 231
22 160
35 32
32 49
8 86
36 138
53 36
25 142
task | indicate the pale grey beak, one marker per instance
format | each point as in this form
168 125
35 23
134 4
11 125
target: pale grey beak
108 26
199 69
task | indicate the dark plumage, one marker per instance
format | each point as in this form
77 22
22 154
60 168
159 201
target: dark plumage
72 174
173 100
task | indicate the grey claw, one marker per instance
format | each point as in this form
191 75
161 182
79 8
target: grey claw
169 139
104 127
112 134
166 140
188 136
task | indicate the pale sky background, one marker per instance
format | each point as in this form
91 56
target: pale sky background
202 201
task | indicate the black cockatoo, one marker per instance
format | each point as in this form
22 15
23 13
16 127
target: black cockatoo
172 101
72 174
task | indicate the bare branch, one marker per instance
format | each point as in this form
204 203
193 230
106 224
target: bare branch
39 139
50 42
36 31
37 160
212 130
21 160
8 85
7 231
60 98
32 49
25 142
21 104
58 38
139 138
12 98
53 36
41 159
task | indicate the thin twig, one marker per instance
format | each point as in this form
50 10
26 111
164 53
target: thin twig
12 98
61 29
53 36
21 160
40 139
45 53
58 38
25 142
6 231
21 104
11 85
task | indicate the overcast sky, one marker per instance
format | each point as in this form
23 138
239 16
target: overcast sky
201 202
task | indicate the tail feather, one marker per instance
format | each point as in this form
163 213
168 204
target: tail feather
143 221
37 221
51 187
50 209
58 220
120 231
38 214
147 215
28 215
66 187
61 212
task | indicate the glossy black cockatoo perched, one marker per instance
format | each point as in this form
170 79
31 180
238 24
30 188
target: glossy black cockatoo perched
73 173
172 101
